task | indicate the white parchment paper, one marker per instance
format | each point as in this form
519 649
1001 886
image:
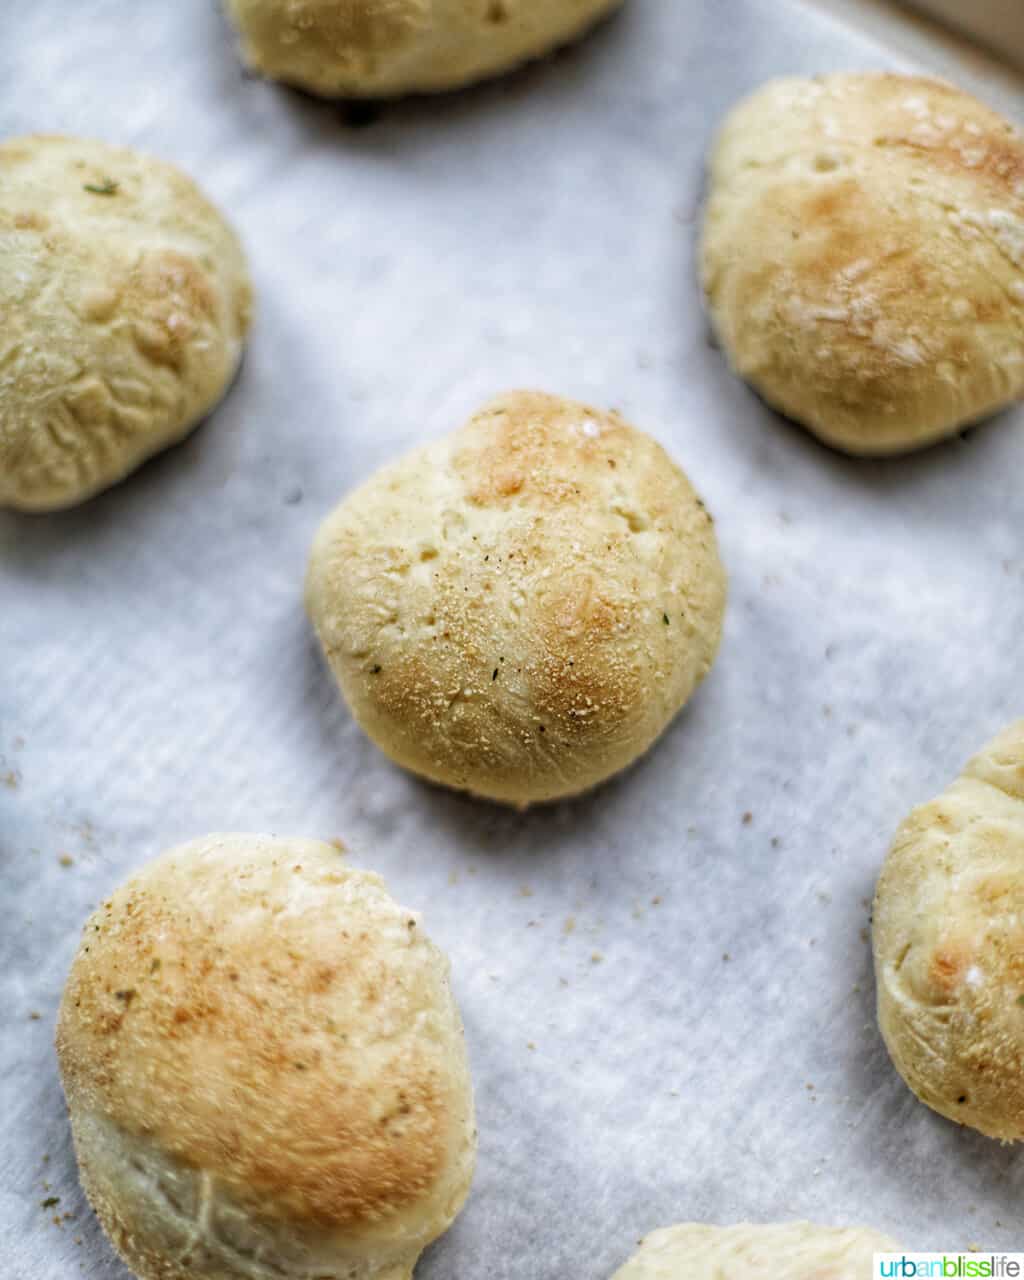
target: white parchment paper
666 985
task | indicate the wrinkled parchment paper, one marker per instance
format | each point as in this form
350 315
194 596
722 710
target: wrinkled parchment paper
666 985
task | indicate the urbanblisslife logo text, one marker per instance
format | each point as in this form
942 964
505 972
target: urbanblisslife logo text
948 1266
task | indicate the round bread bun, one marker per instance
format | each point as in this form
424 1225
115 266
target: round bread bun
265 1069
863 256
789 1251
519 609
381 48
124 302
949 945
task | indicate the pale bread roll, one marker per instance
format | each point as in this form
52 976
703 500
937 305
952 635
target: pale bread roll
788 1251
518 610
375 48
949 945
265 1069
124 304
863 256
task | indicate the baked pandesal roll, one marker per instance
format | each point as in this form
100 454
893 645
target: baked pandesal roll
863 256
265 1069
380 48
518 610
787 1251
949 945
124 304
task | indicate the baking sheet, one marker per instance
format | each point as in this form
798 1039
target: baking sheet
999 23
666 985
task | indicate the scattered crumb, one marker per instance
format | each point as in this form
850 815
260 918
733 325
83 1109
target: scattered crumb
339 844
596 958
35 1016
570 924
87 832
11 778
748 818
531 1046
525 891
726 956
49 1202
66 860
655 902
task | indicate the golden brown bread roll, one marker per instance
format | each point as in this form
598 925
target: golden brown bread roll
124 305
265 1069
518 610
375 48
863 256
949 945
785 1251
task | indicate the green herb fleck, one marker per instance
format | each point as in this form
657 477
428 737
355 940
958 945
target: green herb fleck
50 1201
1020 1001
664 618
108 187
495 675
127 996
154 964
